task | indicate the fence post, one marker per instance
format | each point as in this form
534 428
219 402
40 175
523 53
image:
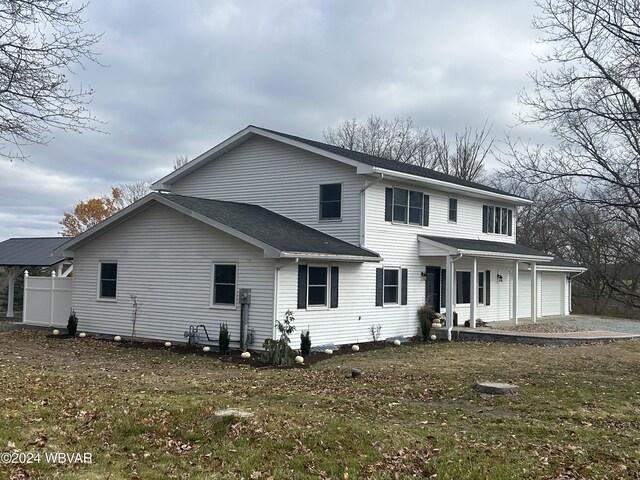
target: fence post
53 280
24 295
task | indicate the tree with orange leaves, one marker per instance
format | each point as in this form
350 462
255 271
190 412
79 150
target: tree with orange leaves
88 213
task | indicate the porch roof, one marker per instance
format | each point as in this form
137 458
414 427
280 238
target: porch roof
31 252
436 246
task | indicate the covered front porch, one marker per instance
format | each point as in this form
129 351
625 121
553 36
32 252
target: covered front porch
485 280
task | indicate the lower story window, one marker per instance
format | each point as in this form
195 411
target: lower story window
480 287
317 286
224 284
390 286
108 279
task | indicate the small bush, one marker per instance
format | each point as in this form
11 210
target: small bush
278 352
305 343
223 338
72 324
374 332
427 315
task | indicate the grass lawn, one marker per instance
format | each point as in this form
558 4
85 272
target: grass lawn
150 413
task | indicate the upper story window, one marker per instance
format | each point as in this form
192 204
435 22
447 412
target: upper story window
406 206
108 280
453 209
497 220
331 201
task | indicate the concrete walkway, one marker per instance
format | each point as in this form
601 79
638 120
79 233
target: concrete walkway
570 330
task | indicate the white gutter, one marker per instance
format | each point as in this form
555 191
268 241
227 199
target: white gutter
363 208
448 186
570 286
450 293
329 257
276 280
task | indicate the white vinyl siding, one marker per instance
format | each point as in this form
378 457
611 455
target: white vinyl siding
283 179
165 259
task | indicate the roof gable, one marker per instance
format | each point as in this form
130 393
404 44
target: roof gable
364 162
277 235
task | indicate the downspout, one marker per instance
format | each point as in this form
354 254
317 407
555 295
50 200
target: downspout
276 279
450 292
363 208
571 287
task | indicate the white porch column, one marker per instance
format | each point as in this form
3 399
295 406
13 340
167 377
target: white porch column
13 275
514 291
450 295
474 293
534 293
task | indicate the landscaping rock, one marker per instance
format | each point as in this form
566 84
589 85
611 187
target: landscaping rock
323 347
356 373
496 388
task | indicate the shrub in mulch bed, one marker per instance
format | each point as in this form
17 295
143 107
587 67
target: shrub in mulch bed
234 355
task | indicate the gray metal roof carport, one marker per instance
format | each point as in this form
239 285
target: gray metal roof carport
17 254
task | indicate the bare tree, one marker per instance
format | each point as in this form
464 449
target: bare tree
396 139
589 97
588 94
131 192
466 158
399 139
180 161
41 42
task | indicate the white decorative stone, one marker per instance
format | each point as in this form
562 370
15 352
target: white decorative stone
167 344
206 349
355 348
397 342
433 337
299 359
82 334
496 388
117 338
245 355
328 351
233 412
56 332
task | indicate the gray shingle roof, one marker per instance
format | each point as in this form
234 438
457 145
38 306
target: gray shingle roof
559 262
268 227
392 164
31 252
487 246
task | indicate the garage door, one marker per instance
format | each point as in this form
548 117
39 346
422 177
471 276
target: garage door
552 293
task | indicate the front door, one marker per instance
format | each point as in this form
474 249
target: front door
432 286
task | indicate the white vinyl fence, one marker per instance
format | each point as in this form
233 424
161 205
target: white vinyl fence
47 300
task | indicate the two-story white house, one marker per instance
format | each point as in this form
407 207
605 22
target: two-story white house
344 240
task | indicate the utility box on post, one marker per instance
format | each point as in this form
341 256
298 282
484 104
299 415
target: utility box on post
245 301
245 296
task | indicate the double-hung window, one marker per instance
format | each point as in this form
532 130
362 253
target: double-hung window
453 209
391 286
108 280
318 286
406 206
331 201
224 284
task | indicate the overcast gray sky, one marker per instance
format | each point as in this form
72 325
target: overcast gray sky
183 76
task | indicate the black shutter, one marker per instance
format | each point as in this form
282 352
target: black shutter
487 288
484 218
443 283
334 287
509 227
388 204
425 211
379 286
405 286
302 287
